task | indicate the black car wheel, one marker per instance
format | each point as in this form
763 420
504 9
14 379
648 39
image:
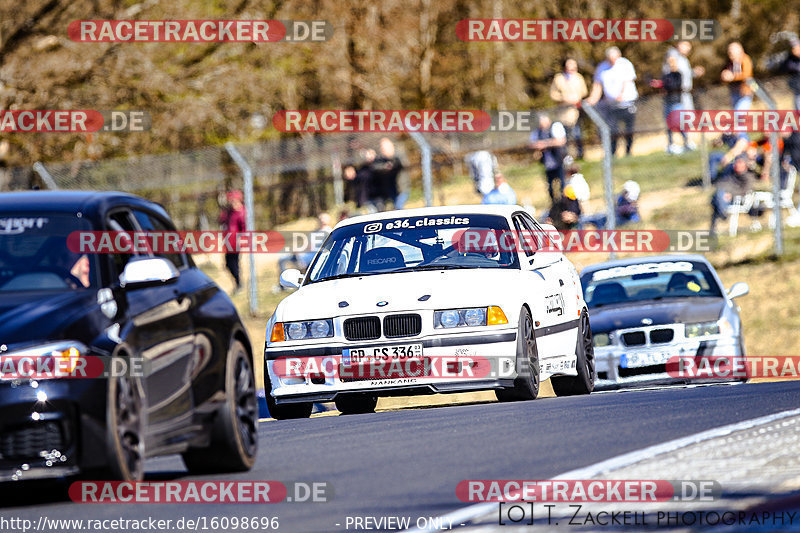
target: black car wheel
355 404
583 383
234 438
526 384
284 411
125 430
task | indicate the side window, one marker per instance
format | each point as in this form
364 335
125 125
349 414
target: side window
120 221
525 236
152 223
542 239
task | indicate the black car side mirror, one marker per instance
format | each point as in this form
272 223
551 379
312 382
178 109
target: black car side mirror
146 272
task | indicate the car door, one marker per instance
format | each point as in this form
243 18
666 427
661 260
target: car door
546 264
160 331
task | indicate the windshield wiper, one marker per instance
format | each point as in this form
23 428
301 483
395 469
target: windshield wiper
342 276
430 267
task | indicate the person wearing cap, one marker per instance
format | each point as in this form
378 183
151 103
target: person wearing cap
566 212
791 66
615 82
737 181
232 220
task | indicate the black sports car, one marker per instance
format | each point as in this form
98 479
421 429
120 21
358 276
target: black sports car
186 383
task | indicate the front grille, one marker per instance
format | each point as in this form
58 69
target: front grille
633 338
26 442
402 325
661 335
363 328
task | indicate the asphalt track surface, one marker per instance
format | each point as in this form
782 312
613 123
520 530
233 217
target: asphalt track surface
408 462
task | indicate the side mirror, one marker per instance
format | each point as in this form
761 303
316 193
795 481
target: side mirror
291 278
147 271
738 289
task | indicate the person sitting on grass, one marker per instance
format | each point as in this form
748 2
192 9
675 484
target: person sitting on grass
734 182
626 209
502 192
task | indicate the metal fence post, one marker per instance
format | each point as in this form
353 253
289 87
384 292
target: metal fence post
608 157
427 179
775 167
338 184
247 174
47 178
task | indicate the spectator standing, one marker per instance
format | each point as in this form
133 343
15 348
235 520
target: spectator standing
568 89
482 166
502 192
615 83
791 66
551 138
232 220
688 73
385 169
737 181
361 180
739 69
672 84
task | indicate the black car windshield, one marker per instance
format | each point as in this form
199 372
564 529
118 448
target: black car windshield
649 281
409 244
34 254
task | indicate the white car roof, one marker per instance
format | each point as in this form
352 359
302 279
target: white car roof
480 209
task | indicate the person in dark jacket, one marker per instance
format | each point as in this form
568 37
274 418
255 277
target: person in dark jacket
672 84
791 66
361 181
385 169
736 181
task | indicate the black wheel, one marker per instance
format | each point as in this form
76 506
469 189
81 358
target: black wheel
284 411
356 404
526 384
234 437
583 383
124 431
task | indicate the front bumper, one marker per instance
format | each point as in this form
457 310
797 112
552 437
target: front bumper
496 349
51 428
618 364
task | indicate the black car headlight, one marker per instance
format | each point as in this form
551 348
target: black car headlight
64 357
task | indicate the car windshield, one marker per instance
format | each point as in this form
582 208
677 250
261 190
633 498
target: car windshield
409 244
649 281
34 254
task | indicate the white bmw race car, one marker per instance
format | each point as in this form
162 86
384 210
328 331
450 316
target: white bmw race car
434 300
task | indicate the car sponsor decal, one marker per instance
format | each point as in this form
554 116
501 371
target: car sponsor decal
416 222
642 268
17 225
555 303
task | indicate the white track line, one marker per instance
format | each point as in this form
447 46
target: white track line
461 516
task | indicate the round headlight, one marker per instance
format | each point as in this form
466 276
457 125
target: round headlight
296 330
475 317
449 319
320 328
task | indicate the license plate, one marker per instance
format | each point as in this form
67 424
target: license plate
636 360
381 353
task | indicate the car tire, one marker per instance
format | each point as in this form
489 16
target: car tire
284 411
234 436
583 383
124 431
353 404
526 384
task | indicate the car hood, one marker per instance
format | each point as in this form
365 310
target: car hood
30 317
678 310
402 291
